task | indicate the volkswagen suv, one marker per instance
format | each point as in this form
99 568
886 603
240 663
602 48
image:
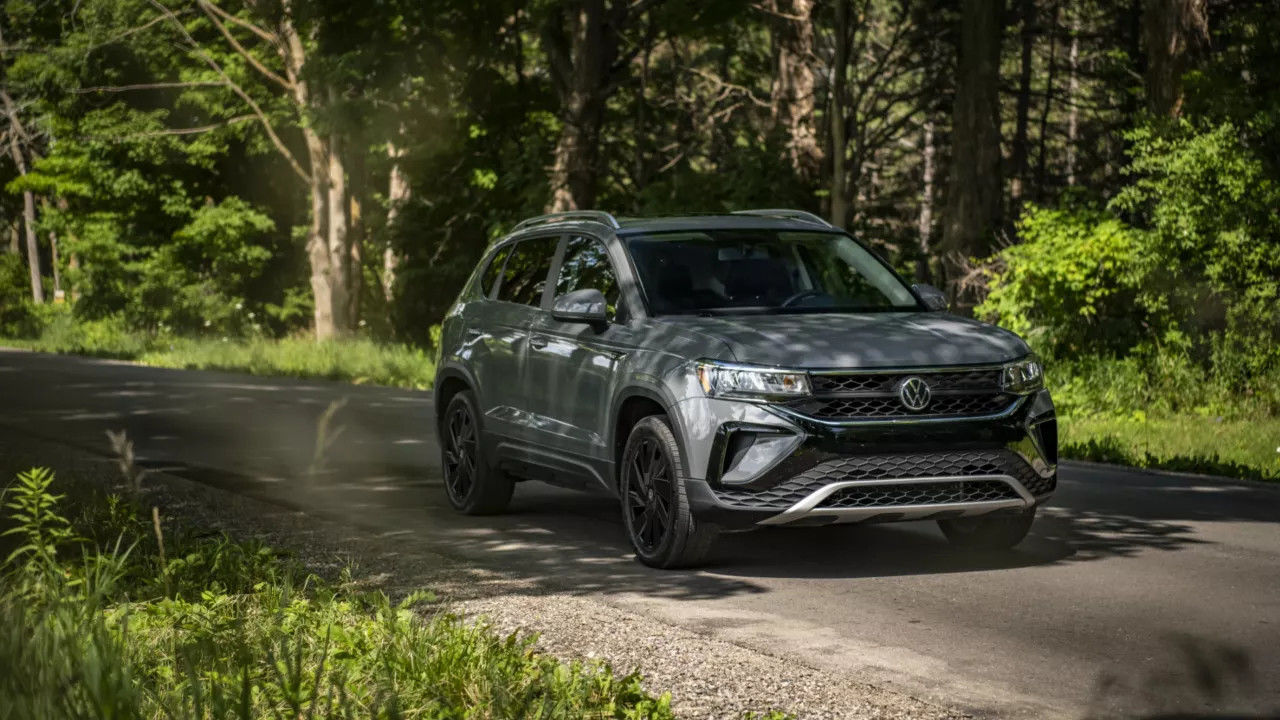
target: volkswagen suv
728 372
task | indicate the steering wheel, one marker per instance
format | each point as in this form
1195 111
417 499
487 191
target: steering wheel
801 296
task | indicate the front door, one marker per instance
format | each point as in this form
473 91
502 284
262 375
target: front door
571 367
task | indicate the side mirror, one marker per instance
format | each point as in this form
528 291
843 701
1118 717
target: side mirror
581 306
932 297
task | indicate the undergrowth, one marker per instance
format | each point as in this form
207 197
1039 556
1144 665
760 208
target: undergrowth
103 616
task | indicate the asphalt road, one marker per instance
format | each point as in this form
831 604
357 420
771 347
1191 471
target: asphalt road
1136 594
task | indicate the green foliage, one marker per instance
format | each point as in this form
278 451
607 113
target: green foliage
1188 443
15 295
88 632
1211 252
1070 285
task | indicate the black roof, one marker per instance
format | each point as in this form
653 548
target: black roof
747 220
641 225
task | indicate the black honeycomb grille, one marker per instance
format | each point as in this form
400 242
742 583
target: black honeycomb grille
890 407
979 380
853 396
952 463
929 493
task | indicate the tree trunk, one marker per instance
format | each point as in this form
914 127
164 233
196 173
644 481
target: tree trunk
33 249
13 239
28 200
972 211
1172 30
793 85
328 252
398 193
1073 91
1018 154
839 78
581 63
53 261
575 171
925 223
1051 70
339 250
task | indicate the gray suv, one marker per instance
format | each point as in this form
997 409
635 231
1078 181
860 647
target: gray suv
727 372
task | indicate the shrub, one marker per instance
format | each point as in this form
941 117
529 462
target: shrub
1070 285
1210 260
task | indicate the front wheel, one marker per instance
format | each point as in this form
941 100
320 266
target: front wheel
655 506
473 487
988 533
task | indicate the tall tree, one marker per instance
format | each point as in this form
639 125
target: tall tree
17 134
793 98
974 189
1172 29
838 100
583 41
1018 150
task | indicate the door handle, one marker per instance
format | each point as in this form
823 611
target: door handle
537 342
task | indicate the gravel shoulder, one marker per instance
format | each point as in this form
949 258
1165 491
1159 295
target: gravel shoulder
706 677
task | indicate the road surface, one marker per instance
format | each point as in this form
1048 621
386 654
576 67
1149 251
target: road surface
1135 591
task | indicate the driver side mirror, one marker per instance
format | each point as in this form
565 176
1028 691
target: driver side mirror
932 297
581 306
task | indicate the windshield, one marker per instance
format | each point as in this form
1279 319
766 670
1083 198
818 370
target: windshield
764 271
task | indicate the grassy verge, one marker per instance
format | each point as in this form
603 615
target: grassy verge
104 615
1244 448
355 360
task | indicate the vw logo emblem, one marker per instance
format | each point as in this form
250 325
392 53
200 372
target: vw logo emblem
914 393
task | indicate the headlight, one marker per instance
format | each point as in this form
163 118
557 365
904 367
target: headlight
720 380
1023 376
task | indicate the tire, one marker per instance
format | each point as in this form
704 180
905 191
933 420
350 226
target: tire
988 533
655 504
471 484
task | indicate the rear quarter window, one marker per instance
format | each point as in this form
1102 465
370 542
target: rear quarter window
494 270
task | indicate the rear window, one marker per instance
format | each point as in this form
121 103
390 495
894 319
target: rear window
526 270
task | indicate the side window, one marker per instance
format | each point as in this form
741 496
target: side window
526 271
586 265
490 277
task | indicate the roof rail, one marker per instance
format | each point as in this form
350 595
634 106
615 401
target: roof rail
785 213
598 216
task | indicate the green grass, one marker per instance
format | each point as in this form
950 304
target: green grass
1245 448
353 360
96 620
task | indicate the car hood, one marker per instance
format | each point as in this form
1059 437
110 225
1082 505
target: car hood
858 340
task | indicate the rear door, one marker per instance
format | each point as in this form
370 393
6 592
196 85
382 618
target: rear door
517 299
571 366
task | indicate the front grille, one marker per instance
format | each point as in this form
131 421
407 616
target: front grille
929 493
890 407
859 396
886 383
883 466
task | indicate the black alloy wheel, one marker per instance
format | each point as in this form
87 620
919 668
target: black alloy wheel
655 506
459 453
650 495
472 486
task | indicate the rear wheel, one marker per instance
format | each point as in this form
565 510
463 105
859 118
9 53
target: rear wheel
655 507
473 487
988 533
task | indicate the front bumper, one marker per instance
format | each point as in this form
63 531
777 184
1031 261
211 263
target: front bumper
814 473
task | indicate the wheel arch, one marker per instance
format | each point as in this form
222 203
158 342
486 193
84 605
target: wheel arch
449 382
632 405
